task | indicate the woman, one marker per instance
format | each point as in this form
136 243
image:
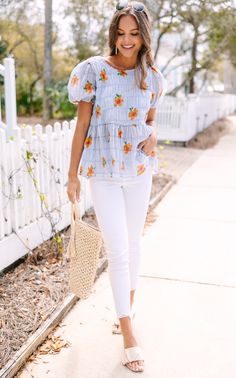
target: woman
115 145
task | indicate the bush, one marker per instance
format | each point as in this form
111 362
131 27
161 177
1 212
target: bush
59 97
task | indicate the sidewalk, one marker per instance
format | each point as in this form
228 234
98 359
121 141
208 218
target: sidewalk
186 300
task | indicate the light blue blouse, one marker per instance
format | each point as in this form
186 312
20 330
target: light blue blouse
118 121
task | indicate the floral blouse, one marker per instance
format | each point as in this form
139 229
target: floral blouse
117 124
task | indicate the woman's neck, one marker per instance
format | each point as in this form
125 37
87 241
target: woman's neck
122 62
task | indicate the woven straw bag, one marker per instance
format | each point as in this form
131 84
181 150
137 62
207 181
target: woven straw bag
83 249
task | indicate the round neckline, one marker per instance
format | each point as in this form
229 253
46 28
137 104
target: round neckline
117 69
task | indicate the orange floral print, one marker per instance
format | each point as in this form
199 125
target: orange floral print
113 162
103 75
140 169
145 86
122 166
134 124
88 87
104 162
153 153
90 171
118 100
133 113
98 111
88 141
127 147
80 169
154 69
120 132
153 95
122 73
74 80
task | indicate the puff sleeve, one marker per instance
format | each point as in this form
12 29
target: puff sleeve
82 83
159 86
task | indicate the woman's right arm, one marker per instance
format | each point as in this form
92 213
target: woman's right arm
84 113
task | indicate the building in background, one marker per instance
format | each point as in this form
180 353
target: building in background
222 81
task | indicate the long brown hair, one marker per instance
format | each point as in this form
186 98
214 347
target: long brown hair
145 54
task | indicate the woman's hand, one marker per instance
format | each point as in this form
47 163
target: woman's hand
73 189
149 144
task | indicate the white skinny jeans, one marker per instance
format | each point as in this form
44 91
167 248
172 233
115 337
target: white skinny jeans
121 207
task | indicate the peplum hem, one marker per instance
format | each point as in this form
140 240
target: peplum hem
111 150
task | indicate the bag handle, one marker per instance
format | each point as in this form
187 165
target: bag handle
75 214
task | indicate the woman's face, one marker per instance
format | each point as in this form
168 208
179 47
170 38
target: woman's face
129 40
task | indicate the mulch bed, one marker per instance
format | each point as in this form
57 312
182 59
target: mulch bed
32 290
209 137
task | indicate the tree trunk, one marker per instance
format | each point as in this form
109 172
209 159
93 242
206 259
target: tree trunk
193 62
47 74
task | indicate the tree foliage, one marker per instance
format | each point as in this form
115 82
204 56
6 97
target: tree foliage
89 25
22 34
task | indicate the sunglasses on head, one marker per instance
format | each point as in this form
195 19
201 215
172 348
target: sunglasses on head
138 7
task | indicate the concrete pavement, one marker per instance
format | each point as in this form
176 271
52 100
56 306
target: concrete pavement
186 300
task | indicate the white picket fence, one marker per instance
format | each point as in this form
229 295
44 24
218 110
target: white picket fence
181 119
34 172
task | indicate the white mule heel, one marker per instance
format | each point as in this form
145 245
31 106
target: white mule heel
133 354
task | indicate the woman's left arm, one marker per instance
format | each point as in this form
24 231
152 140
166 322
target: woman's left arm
148 145
158 87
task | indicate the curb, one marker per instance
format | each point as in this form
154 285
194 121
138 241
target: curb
155 200
22 355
